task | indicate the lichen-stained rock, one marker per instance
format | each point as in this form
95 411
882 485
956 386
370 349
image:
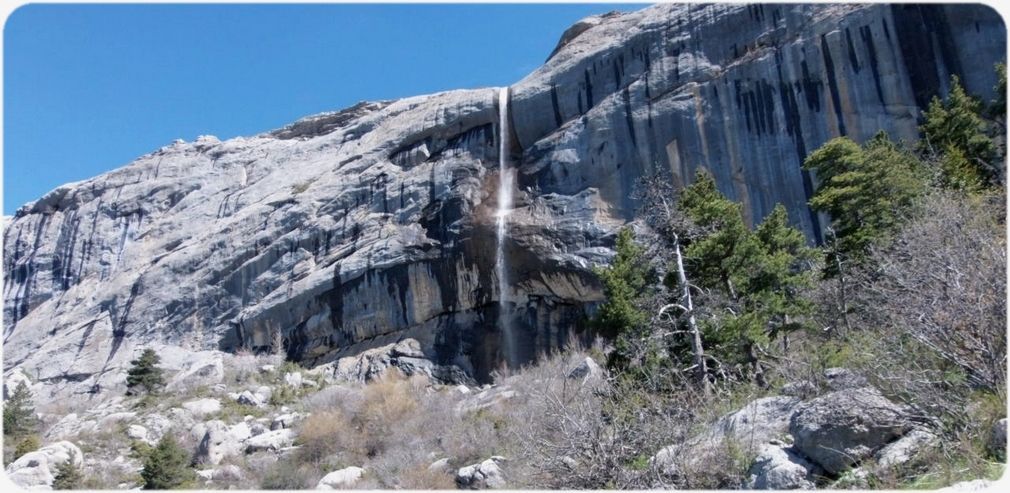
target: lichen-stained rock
355 229
841 428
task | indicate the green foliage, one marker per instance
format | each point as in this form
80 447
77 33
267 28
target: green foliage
19 413
955 125
866 190
68 476
144 373
166 467
761 274
997 109
27 444
624 282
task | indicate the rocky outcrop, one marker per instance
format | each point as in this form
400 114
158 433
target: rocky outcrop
405 356
37 470
360 228
841 428
486 475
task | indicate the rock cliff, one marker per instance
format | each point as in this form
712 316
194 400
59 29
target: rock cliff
356 229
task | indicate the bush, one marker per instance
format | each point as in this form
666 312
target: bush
29 443
166 467
68 475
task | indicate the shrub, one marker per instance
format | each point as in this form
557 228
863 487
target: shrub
166 467
29 443
68 475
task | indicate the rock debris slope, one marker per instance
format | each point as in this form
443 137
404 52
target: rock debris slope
356 229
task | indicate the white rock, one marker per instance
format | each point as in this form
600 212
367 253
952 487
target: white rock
777 468
293 379
344 478
250 399
904 449
441 465
485 475
14 378
585 370
37 470
137 432
271 440
202 407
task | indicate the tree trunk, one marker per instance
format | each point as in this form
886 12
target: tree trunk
700 365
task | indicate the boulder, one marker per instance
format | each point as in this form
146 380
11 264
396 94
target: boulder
284 421
405 356
485 475
37 470
293 379
217 443
13 379
843 379
586 369
343 479
441 465
755 424
841 428
271 440
779 468
250 399
202 407
137 432
997 439
905 448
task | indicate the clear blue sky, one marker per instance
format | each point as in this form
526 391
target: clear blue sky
88 88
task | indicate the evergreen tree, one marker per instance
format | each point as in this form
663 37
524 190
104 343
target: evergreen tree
624 281
866 190
997 109
144 373
166 467
19 413
722 255
68 476
956 125
760 275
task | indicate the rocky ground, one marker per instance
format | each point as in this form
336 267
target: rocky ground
388 419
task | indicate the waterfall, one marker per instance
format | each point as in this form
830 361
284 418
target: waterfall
505 189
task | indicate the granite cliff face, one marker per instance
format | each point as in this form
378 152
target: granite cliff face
355 229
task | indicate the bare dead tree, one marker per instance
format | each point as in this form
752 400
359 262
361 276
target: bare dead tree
943 282
659 213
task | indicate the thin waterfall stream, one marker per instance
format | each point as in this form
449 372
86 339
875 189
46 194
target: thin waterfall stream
505 190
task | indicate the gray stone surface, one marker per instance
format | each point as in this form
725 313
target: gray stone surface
841 428
355 229
778 468
905 448
997 438
37 470
485 475
342 479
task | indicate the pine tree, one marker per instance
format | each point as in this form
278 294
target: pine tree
760 275
166 467
68 475
19 413
866 190
624 281
956 125
144 373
